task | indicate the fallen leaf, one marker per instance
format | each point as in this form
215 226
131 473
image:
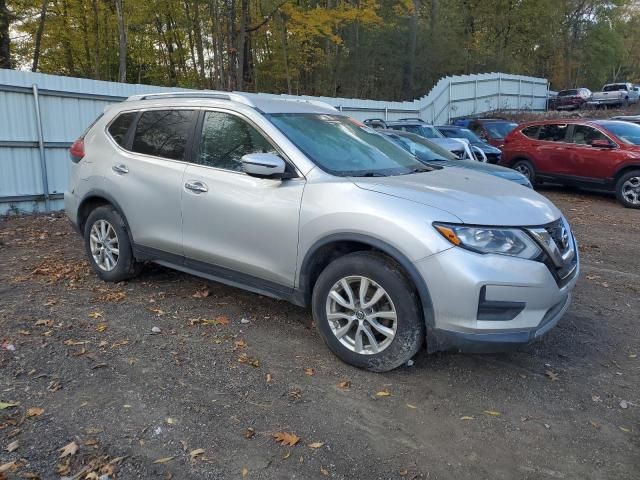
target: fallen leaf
624 404
403 472
323 471
287 455
466 417
69 449
116 296
344 384
492 413
101 327
163 460
201 293
44 323
286 438
383 393
24 332
12 446
552 375
269 378
221 320
411 406
249 432
594 424
11 466
35 412
626 430
194 453
158 311
96 315
73 343
4 405
99 365
245 472
315 444
244 358
309 371
170 421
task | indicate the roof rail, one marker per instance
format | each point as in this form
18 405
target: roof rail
411 119
232 96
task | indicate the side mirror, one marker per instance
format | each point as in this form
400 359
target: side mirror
264 165
601 144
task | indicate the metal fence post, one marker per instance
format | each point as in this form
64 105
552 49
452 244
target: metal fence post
449 105
499 91
386 113
43 161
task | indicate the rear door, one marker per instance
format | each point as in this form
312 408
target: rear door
145 175
552 156
233 223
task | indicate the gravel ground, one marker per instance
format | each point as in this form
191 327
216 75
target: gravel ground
204 398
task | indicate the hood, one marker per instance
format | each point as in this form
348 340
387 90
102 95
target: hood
475 198
496 170
486 148
448 143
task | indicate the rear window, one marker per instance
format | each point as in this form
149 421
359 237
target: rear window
553 133
567 93
614 87
163 133
120 126
531 132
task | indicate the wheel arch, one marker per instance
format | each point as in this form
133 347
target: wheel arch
94 199
625 169
327 249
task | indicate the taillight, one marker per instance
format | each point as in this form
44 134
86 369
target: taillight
77 150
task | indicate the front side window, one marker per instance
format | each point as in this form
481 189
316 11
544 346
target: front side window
553 132
226 138
120 126
584 135
345 147
163 133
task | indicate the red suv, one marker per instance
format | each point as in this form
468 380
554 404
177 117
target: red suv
594 154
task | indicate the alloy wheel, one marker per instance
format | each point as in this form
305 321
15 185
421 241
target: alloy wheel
361 315
631 190
524 170
103 241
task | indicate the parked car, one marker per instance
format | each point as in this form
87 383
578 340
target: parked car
492 153
297 201
460 147
595 154
614 94
491 130
628 118
430 153
574 99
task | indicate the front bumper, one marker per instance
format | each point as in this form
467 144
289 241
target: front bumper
459 281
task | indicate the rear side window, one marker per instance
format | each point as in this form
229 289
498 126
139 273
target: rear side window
531 132
120 126
553 132
163 133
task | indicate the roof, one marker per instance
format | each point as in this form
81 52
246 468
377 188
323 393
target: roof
262 102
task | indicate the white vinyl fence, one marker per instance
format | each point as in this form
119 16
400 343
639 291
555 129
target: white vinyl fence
41 115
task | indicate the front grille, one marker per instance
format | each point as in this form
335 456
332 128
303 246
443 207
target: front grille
560 250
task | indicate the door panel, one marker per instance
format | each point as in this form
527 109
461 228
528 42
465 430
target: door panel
246 224
592 162
552 152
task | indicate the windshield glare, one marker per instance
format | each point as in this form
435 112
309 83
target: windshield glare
424 150
625 131
345 147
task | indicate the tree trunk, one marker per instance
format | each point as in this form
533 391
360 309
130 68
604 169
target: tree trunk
197 30
38 39
241 43
5 45
408 87
284 52
122 42
96 39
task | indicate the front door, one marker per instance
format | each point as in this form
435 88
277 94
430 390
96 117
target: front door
587 161
232 222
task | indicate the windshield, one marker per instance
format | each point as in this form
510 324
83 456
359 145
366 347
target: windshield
625 131
423 149
499 130
345 147
462 133
614 87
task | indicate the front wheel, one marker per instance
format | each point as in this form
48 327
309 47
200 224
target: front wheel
367 312
628 189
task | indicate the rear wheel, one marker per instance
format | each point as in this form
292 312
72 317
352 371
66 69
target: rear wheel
368 312
108 247
525 168
628 189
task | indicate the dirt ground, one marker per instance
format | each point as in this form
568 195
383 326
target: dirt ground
204 398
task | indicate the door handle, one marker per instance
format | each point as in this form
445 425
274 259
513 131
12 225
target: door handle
121 168
196 187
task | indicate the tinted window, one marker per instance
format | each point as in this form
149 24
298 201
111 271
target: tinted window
614 88
553 132
120 126
163 133
567 93
499 130
226 138
584 135
530 132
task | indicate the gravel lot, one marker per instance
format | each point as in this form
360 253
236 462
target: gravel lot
204 398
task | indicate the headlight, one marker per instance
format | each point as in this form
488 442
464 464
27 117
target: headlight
503 241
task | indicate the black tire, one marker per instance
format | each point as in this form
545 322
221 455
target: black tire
126 266
523 166
620 185
410 331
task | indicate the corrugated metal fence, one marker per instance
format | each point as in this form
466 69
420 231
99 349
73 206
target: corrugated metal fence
41 115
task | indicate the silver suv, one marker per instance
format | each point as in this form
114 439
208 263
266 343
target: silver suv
294 200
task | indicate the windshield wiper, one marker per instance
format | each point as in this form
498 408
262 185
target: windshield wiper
371 174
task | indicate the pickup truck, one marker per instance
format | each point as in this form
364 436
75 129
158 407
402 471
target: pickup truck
620 94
